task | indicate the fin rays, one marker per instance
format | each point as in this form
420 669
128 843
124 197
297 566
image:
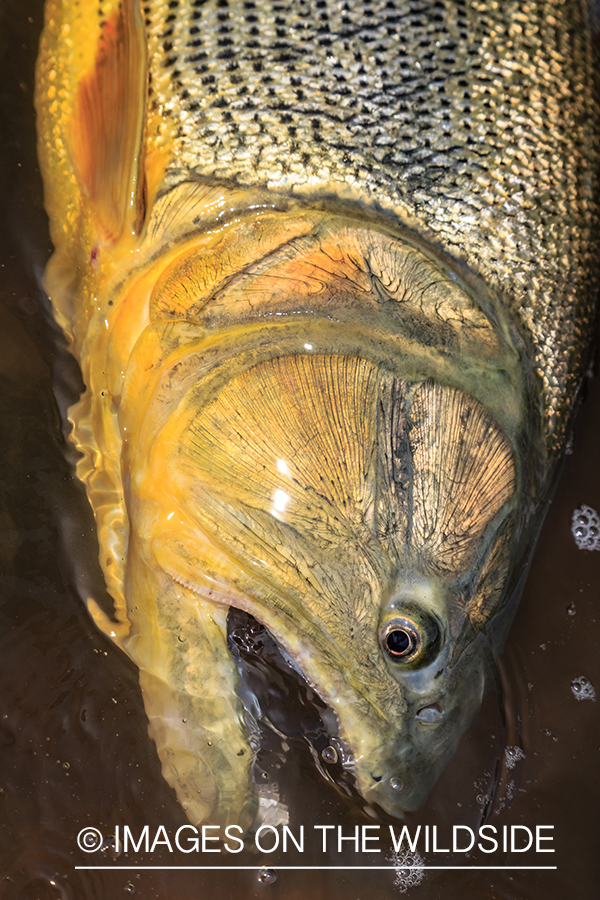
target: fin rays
107 134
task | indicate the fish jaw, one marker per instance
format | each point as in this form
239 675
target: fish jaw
397 730
189 688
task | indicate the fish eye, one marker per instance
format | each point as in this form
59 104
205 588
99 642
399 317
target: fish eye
410 640
401 639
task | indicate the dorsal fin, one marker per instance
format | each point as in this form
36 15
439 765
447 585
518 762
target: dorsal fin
107 135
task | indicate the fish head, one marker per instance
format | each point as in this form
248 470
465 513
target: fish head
364 520
328 440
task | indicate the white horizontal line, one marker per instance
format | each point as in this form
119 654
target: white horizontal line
277 868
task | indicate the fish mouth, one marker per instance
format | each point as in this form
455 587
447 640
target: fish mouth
399 784
267 673
391 759
397 781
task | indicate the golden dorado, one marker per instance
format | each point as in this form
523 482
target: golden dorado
329 274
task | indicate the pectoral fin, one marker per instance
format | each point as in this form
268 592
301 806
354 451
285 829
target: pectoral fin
107 133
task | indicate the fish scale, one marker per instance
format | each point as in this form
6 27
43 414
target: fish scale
475 122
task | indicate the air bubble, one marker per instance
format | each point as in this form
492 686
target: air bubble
512 755
129 888
267 876
583 689
181 639
408 869
396 783
585 528
109 847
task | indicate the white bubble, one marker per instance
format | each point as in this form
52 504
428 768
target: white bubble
512 755
583 689
585 528
406 863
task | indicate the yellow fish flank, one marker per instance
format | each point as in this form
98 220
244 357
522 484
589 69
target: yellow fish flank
329 279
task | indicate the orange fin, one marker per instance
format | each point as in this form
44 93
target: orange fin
107 135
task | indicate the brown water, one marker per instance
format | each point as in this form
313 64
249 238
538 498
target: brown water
74 750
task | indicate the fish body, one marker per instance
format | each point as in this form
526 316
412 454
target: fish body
329 278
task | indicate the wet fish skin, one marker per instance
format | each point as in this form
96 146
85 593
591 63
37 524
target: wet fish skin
456 116
397 177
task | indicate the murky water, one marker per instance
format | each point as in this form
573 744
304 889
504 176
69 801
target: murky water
74 750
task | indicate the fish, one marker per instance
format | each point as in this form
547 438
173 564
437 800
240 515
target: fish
329 273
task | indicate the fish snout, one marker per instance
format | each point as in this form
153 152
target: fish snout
403 767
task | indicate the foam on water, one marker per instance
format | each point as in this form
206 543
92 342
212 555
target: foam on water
583 689
512 756
585 528
406 875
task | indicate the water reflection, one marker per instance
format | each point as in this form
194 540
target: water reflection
74 748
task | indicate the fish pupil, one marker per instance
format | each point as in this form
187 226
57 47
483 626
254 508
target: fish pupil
399 642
